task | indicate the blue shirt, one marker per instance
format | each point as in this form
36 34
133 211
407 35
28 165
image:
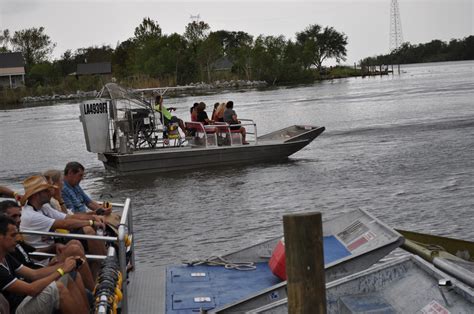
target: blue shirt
74 198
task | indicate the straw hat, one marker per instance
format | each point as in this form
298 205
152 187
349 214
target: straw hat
33 185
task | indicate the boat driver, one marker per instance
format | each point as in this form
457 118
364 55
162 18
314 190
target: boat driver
168 118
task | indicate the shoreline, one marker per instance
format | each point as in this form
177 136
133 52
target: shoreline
24 97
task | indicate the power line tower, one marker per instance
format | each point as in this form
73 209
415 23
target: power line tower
195 18
396 36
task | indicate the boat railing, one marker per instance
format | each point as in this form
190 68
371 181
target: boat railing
225 128
124 235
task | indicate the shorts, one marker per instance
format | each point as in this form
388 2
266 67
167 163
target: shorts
234 128
45 302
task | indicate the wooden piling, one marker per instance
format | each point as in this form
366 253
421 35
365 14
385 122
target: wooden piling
305 263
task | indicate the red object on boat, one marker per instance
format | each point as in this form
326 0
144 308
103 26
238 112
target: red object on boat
277 262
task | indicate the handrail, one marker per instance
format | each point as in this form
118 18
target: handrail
88 256
70 235
220 125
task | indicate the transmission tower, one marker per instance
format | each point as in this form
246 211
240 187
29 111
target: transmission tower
396 36
195 18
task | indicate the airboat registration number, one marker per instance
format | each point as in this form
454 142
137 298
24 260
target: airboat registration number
95 108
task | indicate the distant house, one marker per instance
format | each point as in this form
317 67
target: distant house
12 69
222 64
98 68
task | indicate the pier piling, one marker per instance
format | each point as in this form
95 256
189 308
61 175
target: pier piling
305 263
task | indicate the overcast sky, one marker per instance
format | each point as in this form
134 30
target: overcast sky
73 24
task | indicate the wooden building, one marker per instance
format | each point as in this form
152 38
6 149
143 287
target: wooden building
12 70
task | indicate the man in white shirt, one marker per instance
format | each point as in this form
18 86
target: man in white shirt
38 215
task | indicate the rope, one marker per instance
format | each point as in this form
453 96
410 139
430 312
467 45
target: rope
219 261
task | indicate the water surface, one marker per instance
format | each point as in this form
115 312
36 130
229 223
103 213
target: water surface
401 147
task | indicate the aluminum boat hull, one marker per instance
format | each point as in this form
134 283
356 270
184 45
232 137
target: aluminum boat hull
273 147
405 285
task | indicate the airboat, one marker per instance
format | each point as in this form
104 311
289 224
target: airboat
129 136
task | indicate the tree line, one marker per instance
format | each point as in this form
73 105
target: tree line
434 51
183 58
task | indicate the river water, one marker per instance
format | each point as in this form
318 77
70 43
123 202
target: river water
401 147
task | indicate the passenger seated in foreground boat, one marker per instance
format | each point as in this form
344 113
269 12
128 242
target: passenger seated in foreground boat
168 118
230 117
57 287
38 215
62 251
72 194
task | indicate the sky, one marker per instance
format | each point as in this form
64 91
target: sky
74 24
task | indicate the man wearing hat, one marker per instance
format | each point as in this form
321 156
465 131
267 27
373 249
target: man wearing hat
38 215
48 289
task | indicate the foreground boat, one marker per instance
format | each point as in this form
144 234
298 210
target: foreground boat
353 241
129 137
405 285
453 256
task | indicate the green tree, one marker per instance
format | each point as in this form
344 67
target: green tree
320 44
208 52
147 30
196 32
34 44
44 73
174 53
4 40
66 63
237 46
123 59
94 54
267 58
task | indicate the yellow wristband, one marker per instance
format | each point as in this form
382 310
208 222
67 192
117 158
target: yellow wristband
60 271
91 222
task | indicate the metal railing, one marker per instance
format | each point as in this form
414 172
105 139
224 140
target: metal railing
125 234
226 128
221 128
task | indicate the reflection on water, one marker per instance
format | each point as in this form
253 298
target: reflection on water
398 146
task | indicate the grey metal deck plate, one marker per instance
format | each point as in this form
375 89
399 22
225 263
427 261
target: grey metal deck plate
146 290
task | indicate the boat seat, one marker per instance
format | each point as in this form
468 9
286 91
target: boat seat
226 135
203 134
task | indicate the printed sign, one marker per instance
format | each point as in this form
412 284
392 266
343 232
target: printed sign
352 232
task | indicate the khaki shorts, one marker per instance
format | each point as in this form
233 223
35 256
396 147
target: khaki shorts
45 302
